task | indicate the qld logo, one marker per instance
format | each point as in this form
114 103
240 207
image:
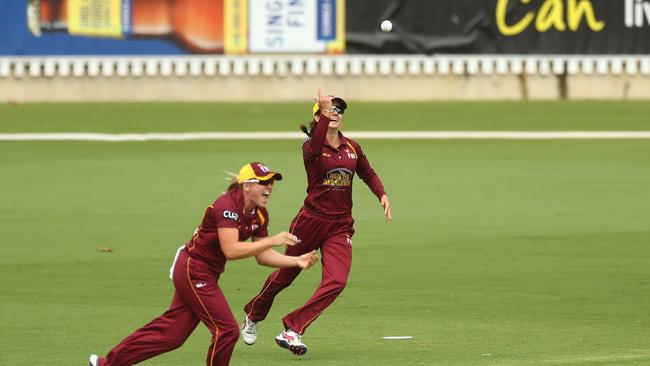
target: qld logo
264 168
338 178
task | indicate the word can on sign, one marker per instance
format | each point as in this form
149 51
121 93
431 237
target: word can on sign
550 15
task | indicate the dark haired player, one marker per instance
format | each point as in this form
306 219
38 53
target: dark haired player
324 222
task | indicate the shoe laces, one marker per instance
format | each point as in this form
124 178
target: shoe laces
250 327
292 337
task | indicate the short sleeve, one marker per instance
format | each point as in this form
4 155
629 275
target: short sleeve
225 213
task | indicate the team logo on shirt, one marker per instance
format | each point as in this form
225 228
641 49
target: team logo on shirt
337 178
351 155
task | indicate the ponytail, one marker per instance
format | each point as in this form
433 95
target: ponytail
234 184
309 130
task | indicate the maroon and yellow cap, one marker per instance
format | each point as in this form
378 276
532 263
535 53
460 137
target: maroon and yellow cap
337 101
256 172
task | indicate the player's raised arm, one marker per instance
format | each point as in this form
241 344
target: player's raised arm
313 146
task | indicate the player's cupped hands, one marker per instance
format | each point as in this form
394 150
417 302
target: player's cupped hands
285 238
324 103
307 260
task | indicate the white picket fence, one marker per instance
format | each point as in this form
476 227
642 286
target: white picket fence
351 65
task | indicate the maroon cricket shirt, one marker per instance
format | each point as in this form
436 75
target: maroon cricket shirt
226 211
330 171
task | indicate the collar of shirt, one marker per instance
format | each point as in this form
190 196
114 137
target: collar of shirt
342 142
239 203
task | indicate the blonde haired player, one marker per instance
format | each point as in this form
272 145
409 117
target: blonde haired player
228 222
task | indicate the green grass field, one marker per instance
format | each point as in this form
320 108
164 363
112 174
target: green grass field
500 252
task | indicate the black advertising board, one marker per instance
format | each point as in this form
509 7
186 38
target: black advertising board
499 26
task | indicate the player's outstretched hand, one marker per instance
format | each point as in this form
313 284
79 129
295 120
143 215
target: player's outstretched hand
324 103
307 260
285 238
385 203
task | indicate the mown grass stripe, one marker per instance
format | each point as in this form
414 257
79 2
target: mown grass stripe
380 135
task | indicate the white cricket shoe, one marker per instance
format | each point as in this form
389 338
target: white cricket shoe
94 360
249 331
291 341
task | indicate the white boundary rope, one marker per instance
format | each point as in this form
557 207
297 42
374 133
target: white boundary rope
380 135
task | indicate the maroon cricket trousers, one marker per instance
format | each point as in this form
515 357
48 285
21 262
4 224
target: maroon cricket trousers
334 238
197 298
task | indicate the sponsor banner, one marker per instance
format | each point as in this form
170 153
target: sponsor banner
293 26
500 26
102 18
236 26
338 45
164 27
326 20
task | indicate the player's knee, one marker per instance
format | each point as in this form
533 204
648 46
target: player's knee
229 333
173 343
338 283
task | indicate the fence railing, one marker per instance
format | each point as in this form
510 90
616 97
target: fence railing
351 65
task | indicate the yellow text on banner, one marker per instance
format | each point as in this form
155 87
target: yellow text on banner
235 26
95 18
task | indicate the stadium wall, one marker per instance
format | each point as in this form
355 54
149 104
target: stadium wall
292 78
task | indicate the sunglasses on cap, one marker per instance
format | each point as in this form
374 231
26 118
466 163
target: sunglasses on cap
260 182
265 182
337 109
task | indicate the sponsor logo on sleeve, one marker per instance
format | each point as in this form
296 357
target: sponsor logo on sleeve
230 215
